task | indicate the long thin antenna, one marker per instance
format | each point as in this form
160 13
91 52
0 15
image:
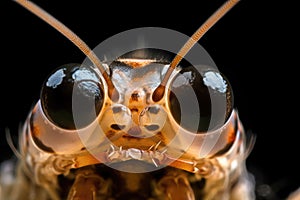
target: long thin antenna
38 11
159 92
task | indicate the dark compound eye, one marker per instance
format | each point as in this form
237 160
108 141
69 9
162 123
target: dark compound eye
200 102
71 91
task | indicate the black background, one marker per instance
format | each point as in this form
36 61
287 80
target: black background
252 45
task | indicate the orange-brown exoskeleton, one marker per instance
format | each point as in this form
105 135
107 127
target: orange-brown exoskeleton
148 124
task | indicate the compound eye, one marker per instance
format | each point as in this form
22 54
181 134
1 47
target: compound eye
72 90
200 101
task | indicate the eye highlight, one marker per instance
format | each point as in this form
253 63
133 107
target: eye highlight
72 87
200 100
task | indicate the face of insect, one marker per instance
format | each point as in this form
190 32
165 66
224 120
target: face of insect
134 147
145 125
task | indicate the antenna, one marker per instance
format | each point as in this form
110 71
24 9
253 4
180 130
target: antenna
38 11
160 90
